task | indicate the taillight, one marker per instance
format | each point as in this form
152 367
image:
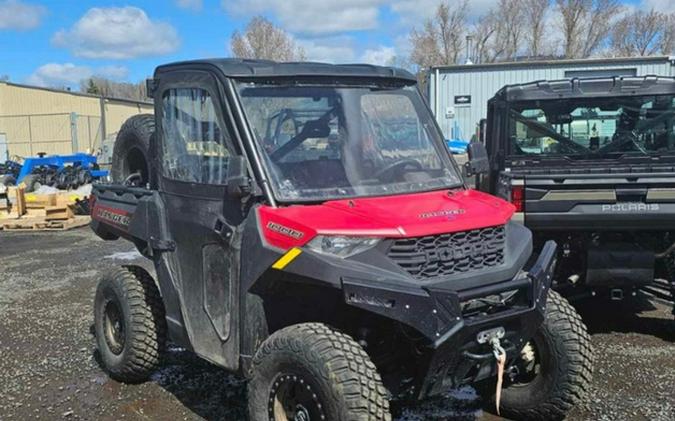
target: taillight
518 197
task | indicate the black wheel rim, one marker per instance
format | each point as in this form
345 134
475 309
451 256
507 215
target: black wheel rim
525 374
113 327
293 398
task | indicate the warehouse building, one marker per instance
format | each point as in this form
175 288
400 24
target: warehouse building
35 120
458 95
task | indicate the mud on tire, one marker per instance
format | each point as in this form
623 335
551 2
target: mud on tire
130 324
565 357
131 149
313 368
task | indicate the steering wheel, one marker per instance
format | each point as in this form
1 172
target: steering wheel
398 165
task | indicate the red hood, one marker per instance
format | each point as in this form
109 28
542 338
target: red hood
412 215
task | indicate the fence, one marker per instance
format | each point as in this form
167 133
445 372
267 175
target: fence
28 135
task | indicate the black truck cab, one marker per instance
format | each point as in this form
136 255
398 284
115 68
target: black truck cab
591 164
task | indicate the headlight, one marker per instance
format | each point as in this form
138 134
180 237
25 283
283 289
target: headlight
341 246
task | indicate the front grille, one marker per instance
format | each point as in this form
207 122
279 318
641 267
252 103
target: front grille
446 254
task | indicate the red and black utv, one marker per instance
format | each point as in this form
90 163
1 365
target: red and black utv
310 231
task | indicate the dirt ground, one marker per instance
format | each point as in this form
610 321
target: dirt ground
49 368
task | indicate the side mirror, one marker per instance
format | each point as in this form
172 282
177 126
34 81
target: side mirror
150 87
238 181
478 160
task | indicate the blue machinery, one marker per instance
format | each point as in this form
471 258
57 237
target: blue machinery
60 171
59 162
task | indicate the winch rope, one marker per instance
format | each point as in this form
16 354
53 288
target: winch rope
500 356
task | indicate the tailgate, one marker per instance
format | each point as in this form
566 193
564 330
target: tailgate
599 201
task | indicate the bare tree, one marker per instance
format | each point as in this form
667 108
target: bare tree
511 33
667 42
501 32
262 40
483 33
572 13
112 89
639 33
535 18
441 39
586 24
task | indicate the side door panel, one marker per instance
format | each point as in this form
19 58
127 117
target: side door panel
194 145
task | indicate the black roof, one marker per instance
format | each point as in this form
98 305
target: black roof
588 87
233 67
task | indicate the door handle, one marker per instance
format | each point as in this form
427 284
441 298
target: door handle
222 228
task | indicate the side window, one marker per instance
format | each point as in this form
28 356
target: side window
195 147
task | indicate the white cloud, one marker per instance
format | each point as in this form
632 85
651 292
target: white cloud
329 50
15 14
117 33
69 74
58 75
195 5
381 55
313 16
414 12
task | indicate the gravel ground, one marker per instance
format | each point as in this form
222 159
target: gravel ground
49 368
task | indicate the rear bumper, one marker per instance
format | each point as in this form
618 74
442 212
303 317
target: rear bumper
451 321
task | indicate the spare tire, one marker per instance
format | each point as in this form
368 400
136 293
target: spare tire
131 151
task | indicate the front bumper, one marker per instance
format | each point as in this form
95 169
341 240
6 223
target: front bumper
451 320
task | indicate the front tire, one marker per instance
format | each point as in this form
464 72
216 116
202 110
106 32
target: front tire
558 376
310 371
130 324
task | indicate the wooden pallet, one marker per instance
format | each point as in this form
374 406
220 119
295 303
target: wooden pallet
30 212
41 224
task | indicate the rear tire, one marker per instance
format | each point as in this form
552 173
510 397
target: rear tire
130 324
131 149
564 356
310 371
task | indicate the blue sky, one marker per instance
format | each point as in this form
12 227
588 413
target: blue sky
57 43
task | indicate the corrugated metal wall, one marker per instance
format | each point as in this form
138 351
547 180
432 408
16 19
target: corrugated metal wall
26 135
482 82
36 120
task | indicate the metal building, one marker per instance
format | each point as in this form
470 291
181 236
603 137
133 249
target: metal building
34 120
458 95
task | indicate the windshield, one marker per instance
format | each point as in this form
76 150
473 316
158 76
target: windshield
593 128
322 142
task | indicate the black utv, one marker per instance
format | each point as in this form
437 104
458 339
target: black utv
309 230
590 163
